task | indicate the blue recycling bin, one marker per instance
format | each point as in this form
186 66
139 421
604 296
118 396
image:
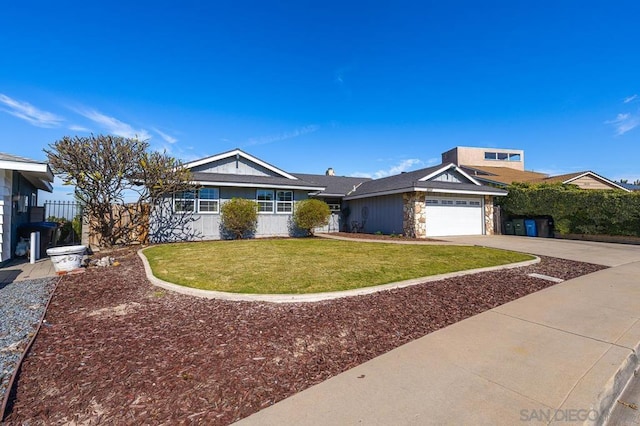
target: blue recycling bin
530 226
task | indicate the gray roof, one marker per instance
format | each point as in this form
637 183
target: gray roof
248 180
337 186
408 181
9 157
629 186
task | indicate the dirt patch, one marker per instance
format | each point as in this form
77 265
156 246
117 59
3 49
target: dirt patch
170 358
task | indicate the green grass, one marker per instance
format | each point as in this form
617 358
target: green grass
310 265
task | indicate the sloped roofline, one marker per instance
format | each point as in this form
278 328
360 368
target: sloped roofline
36 172
444 169
241 153
597 176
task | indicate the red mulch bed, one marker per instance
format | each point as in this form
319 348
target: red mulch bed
118 350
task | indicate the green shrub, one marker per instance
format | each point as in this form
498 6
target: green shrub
574 210
239 217
310 214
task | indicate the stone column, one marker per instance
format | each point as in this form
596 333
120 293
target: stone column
414 221
488 215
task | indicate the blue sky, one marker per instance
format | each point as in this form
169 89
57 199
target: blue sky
368 88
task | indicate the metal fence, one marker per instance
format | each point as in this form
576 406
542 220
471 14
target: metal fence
69 215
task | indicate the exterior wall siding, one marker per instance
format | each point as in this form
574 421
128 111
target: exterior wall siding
232 167
383 214
588 182
207 225
5 214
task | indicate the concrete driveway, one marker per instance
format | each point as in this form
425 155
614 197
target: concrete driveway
558 356
583 251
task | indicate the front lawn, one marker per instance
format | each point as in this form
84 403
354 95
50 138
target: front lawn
311 265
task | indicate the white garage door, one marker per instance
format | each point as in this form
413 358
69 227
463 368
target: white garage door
454 216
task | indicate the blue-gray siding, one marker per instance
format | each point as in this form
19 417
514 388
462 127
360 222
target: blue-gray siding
207 225
384 214
235 167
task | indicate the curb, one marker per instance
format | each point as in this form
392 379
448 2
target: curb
313 297
606 400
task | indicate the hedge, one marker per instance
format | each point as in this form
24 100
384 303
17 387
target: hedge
574 210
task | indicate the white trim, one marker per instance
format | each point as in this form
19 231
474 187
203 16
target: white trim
434 190
241 154
26 167
256 185
444 169
598 177
461 191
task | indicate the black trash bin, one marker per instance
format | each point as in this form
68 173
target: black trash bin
518 227
545 227
508 228
47 231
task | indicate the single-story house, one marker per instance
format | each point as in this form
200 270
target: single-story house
501 167
20 180
436 201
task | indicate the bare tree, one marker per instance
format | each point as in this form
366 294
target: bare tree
119 183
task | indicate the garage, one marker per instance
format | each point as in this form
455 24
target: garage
454 216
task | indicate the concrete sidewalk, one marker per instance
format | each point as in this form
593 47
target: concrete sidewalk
561 355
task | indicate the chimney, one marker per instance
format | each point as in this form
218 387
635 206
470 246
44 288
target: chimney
330 172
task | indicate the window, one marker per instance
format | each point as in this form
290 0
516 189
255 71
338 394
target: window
284 201
447 202
474 203
265 200
431 201
501 156
209 200
334 208
184 201
490 155
461 203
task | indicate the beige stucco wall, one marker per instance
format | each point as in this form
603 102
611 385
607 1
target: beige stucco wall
475 157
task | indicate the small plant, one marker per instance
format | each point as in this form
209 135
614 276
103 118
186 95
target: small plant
310 214
239 217
378 232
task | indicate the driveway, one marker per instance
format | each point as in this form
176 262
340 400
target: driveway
560 356
608 254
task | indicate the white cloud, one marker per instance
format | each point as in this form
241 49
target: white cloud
629 99
29 113
77 128
402 166
166 137
624 123
114 126
283 136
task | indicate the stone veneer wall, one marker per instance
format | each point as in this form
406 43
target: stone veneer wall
488 215
414 221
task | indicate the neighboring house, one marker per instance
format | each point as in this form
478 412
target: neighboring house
20 180
629 186
584 180
502 167
436 201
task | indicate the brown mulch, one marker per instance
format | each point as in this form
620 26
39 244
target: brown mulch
116 349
